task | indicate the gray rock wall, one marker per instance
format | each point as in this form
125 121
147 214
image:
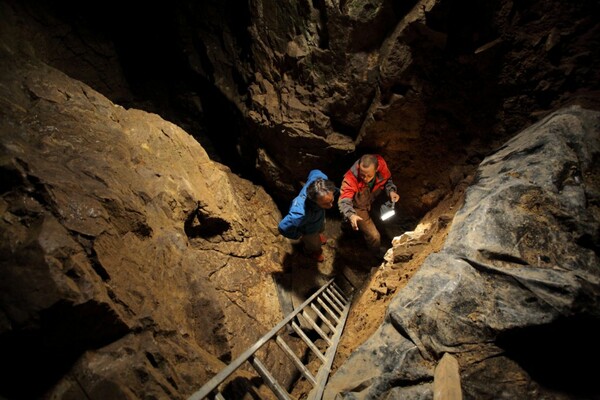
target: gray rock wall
514 294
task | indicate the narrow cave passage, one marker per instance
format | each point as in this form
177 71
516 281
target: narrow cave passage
435 155
376 280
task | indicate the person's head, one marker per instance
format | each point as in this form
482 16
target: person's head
321 191
367 167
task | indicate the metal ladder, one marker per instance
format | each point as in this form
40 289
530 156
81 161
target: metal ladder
330 307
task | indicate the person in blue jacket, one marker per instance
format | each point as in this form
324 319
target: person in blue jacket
306 217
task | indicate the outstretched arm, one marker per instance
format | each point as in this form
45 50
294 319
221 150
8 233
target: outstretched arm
346 206
347 210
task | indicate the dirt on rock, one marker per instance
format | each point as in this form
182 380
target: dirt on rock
372 280
402 261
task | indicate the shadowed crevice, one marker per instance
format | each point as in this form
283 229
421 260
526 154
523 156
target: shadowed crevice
199 225
552 353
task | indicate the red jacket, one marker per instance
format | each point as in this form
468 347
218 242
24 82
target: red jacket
351 185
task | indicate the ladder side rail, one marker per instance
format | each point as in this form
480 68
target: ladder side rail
292 356
324 371
275 387
234 365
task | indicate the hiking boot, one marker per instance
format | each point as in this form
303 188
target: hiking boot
382 252
378 253
323 239
317 256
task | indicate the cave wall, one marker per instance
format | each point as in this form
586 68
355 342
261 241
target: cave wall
434 86
282 87
512 294
128 258
287 87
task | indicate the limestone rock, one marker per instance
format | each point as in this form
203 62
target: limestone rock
517 278
129 259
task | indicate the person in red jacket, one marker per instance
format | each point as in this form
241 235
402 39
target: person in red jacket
362 183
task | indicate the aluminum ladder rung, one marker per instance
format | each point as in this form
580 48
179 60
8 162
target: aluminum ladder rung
316 327
337 308
340 299
323 318
335 298
308 342
331 314
280 392
290 353
332 303
340 292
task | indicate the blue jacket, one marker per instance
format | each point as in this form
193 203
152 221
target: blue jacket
305 216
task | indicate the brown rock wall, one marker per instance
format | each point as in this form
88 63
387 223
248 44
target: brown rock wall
129 258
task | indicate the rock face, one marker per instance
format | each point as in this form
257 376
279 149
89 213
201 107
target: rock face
128 259
514 293
283 87
425 83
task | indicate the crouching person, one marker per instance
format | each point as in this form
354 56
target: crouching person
306 217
